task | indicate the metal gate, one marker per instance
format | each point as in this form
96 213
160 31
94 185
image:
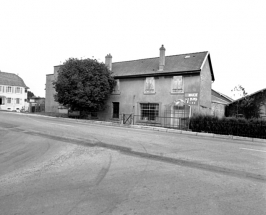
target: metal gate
177 114
127 119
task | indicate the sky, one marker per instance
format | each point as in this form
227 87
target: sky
37 35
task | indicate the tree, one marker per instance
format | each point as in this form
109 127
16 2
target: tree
30 94
238 92
83 85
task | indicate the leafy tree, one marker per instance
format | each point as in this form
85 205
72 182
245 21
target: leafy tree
83 85
30 94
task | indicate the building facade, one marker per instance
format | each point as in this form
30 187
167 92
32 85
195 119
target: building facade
154 87
157 88
13 92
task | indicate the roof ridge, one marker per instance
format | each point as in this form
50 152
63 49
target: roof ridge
159 57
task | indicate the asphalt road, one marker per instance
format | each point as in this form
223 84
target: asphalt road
61 166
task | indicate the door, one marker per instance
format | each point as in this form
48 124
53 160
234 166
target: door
115 109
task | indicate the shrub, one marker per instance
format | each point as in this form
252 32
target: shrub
229 126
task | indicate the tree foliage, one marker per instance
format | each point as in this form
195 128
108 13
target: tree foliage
83 85
30 94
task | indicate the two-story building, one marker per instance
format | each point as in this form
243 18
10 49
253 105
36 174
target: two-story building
153 88
13 92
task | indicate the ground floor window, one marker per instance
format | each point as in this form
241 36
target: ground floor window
2 101
149 111
17 101
8 100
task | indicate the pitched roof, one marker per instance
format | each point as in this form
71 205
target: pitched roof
248 95
11 79
220 98
179 64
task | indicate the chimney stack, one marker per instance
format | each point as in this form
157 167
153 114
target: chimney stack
162 58
108 61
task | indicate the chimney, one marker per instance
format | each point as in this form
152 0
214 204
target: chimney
162 58
108 61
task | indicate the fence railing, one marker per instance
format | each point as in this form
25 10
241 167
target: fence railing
158 121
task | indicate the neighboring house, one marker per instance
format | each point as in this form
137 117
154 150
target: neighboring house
36 104
219 103
257 96
13 92
50 104
154 87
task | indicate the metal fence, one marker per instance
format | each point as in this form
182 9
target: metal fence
158 121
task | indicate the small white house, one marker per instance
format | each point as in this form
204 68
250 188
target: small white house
13 92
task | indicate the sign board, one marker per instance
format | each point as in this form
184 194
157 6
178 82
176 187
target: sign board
192 98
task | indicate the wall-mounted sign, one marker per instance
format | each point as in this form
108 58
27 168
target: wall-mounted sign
192 98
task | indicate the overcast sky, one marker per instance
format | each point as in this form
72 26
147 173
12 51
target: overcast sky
36 35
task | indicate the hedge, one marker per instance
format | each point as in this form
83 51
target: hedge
255 128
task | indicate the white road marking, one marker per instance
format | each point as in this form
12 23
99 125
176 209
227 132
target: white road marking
60 124
253 150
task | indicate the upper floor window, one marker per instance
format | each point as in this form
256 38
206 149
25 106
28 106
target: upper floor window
9 89
18 90
149 85
117 87
177 85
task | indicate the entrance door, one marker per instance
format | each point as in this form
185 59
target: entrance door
115 109
1 101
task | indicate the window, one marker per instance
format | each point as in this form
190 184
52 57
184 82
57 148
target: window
1 88
149 111
9 89
177 85
17 101
117 87
149 85
18 90
8 100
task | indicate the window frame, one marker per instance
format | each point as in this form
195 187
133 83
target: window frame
173 83
149 111
149 86
9 89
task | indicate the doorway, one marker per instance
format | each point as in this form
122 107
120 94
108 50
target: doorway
116 110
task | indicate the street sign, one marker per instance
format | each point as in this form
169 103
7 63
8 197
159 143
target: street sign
192 98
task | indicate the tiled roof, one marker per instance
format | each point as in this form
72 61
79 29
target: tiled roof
184 63
11 79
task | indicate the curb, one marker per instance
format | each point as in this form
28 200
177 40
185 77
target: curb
160 129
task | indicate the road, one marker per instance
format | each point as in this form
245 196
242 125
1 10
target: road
61 166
